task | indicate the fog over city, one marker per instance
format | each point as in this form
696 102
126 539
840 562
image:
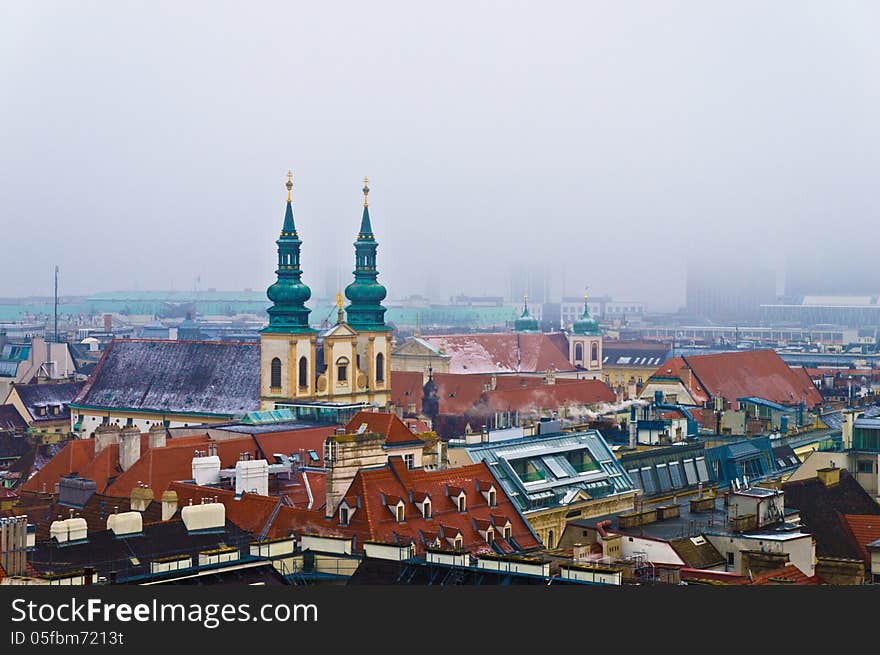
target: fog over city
145 145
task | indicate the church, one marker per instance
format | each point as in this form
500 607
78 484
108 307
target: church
342 368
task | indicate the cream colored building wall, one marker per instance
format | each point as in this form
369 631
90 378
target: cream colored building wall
288 348
676 388
142 420
556 519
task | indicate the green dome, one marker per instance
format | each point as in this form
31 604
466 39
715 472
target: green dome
360 292
586 325
526 322
288 292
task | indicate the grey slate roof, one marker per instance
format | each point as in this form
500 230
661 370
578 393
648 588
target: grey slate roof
195 377
10 419
34 396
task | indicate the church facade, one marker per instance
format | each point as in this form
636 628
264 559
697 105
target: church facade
348 363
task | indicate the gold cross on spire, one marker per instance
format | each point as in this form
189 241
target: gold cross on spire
289 184
366 190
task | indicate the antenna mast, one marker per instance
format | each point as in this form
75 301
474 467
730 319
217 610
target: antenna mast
56 303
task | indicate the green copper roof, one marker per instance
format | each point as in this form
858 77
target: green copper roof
365 295
526 322
586 325
288 294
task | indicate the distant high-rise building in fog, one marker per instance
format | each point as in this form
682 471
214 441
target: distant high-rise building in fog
728 290
534 281
855 275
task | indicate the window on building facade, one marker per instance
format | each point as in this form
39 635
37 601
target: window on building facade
578 352
491 498
276 373
343 515
380 367
342 370
462 503
426 509
865 466
457 543
303 372
400 513
594 352
409 460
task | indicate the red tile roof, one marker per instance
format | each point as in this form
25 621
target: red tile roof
76 455
250 512
294 441
460 393
864 528
372 521
395 430
550 396
788 574
506 352
751 373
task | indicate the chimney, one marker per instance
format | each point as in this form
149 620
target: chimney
344 456
206 469
108 323
129 446
141 497
252 476
105 434
849 420
169 504
633 431
13 537
158 434
829 476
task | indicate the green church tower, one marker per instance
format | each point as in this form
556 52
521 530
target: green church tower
288 313
526 322
365 312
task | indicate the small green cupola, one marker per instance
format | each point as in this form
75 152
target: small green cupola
586 325
526 322
288 313
365 295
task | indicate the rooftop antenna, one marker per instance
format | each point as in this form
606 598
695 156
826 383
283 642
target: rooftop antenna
56 303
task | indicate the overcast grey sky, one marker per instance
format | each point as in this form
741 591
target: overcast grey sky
145 144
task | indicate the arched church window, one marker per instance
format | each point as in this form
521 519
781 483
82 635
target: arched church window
380 367
276 373
578 352
303 372
594 352
342 369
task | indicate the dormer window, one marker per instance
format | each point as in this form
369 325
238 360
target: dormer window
399 512
461 502
458 542
490 535
491 497
346 511
426 508
56 409
505 531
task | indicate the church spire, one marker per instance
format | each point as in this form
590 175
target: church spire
365 311
526 322
288 294
366 231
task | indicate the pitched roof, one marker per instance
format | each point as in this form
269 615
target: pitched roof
788 574
34 396
396 432
10 419
750 373
196 377
864 529
822 508
697 552
549 396
372 521
503 352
